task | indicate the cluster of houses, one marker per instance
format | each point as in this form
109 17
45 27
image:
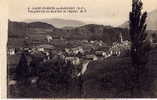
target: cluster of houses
118 48
11 51
75 53
78 55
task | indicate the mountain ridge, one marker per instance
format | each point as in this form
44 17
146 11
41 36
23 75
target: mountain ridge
107 34
59 23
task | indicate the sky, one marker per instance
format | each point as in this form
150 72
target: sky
106 12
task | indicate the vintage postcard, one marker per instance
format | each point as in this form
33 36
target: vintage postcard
78 49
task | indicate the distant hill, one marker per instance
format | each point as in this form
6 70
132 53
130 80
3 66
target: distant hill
38 31
20 29
40 25
151 21
59 23
68 28
107 34
125 25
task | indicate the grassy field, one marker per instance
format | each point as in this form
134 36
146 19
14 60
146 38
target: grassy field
116 78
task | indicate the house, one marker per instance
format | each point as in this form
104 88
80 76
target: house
85 41
77 50
40 49
92 41
91 57
11 51
74 51
99 43
68 51
45 47
101 53
49 38
74 60
108 54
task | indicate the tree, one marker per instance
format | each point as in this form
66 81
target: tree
140 45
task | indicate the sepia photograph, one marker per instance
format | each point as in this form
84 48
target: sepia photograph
82 49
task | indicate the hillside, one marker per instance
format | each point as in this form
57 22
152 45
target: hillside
21 29
39 30
59 23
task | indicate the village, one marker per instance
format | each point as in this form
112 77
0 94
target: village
77 52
